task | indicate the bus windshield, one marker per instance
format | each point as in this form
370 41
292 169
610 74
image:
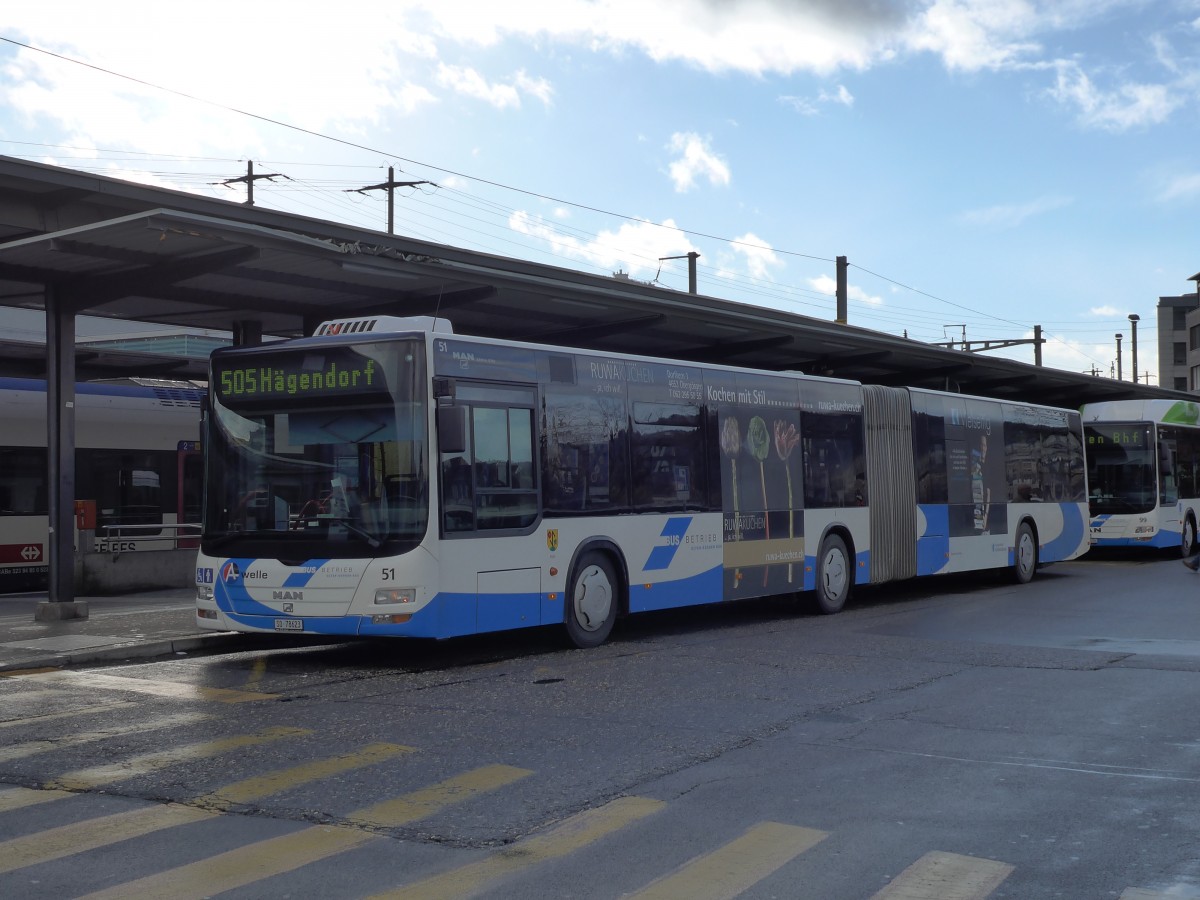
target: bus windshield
1121 466
318 452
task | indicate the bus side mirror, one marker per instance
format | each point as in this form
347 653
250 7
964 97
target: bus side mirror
452 429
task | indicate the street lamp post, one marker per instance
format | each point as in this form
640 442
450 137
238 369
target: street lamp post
1119 378
1134 318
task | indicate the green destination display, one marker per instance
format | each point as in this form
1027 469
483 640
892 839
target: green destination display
1117 436
293 376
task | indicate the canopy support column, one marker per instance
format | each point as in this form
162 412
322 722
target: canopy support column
60 469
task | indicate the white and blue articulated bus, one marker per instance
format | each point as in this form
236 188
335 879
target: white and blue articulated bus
388 477
1143 462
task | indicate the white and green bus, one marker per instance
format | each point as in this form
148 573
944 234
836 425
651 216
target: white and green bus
1143 460
390 477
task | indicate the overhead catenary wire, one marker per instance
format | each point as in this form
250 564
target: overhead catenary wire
759 287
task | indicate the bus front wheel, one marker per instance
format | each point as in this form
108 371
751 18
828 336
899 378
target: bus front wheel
1188 546
592 601
835 575
1025 555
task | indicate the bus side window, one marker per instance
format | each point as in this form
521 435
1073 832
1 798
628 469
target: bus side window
1168 492
492 485
458 503
584 449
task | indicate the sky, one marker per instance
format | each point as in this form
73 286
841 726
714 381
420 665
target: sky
985 165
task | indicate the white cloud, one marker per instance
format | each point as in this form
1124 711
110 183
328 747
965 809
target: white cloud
1181 187
470 83
1011 215
828 285
841 95
1164 53
286 78
696 160
802 105
1104 312
751 36
636 246
807 107
975 35
534 87
502 95
759 257
1129 106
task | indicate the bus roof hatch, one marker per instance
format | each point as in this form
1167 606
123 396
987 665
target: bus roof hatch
378 324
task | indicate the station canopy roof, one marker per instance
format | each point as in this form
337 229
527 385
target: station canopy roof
114 249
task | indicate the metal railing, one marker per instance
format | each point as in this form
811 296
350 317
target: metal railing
116 539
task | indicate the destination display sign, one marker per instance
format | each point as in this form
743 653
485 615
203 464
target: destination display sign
304 374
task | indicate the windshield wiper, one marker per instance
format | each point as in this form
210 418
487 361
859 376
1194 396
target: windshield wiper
229 537
355 529
215 543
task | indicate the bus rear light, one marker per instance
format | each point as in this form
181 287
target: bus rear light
389 619
385 596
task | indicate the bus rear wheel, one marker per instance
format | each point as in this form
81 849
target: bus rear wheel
593 601
1025 555
1188 546
835 575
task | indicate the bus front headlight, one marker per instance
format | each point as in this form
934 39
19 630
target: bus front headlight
386 596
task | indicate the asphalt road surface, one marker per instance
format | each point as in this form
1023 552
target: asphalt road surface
948 738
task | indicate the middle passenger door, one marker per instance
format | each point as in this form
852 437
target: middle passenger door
490 497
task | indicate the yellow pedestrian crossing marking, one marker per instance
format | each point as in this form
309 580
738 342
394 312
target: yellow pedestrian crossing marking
100 832
32 748
240 867
946 876
256 673
73 713
170 689
261 786
83 779
727 872
423 803
19 798
246 865
66 840
576 832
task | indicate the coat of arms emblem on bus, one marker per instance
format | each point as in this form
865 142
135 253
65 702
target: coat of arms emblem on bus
552 539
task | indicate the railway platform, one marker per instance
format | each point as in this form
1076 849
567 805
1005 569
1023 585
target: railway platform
133 626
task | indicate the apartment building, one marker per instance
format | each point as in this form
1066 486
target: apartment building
1179 341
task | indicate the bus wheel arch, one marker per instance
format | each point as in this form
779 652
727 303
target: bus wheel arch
596 594
1025 552
1189 545
834 571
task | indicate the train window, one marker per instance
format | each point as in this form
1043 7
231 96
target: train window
129 489
23 482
